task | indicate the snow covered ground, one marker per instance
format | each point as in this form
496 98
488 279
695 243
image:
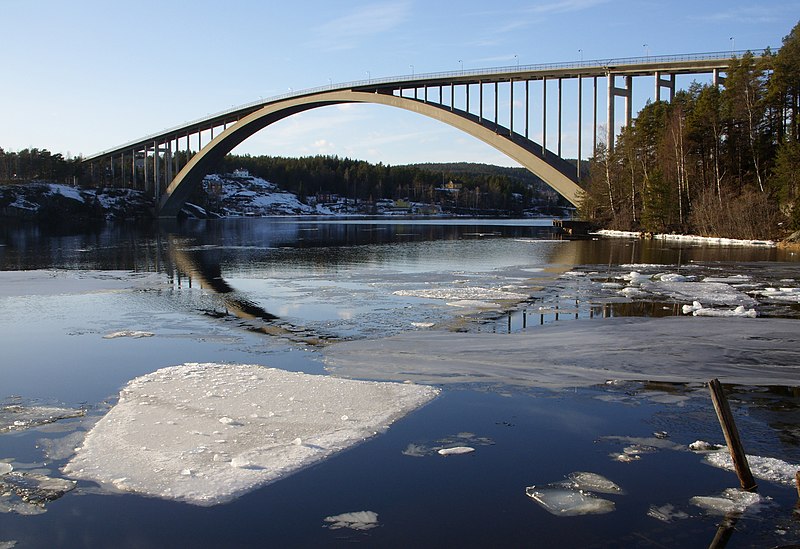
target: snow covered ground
29 200
688 238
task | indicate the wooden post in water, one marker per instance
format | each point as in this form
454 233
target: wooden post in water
728 425
797 482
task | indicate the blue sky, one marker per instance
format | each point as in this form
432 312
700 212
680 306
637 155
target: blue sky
83 76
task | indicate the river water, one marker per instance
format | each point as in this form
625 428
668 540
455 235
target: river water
83 314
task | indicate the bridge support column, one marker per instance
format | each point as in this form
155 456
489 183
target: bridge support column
668 83
544 115
613 93
511 109
156 183
146 173
480 101
717 78
558 112
594 116
527 102
580 120
496 93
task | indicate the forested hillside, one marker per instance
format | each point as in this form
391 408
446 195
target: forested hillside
717 161
469 185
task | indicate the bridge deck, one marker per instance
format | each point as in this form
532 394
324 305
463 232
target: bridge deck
635 66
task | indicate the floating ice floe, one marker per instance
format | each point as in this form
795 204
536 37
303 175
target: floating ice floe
790 295
456 451
637 446
765 468
592 482
574 496
465 440
733 279
703 446
164 438
18 417
697 309
33 488
61 448
635 277
470 293
565 502
732 500
666 513
128 333
632 291
423 324
359 520
474 304
8 544
5 468
672 277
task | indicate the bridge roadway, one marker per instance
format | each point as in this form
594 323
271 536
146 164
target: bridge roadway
446 96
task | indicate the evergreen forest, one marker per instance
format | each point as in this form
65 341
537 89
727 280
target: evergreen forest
715 161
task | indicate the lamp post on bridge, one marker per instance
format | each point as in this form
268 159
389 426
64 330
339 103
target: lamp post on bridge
369 76
733 44
580 52
516 57
461 62
412 70
646 50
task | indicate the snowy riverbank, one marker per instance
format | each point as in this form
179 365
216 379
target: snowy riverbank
688 238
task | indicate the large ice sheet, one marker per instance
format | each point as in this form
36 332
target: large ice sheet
584 353
207 433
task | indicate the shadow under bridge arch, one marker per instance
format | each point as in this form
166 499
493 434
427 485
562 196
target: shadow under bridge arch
552 169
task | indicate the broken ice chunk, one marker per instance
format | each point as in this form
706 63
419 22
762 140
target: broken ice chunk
455 451
666 513
18 417
732 500
703 446
5 468
593 482
563 502
359 520
766 468
34 488
128 333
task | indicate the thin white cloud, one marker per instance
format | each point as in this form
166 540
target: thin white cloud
530 16
565 6
348 31
748 14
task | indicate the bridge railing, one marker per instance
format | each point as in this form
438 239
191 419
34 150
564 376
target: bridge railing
432 76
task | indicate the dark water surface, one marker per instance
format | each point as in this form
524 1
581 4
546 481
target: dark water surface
276 291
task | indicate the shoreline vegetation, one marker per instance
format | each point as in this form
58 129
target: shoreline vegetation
717 161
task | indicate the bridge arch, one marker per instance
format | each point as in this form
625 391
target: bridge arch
551 168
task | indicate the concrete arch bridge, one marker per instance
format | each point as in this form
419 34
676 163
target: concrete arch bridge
502 107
